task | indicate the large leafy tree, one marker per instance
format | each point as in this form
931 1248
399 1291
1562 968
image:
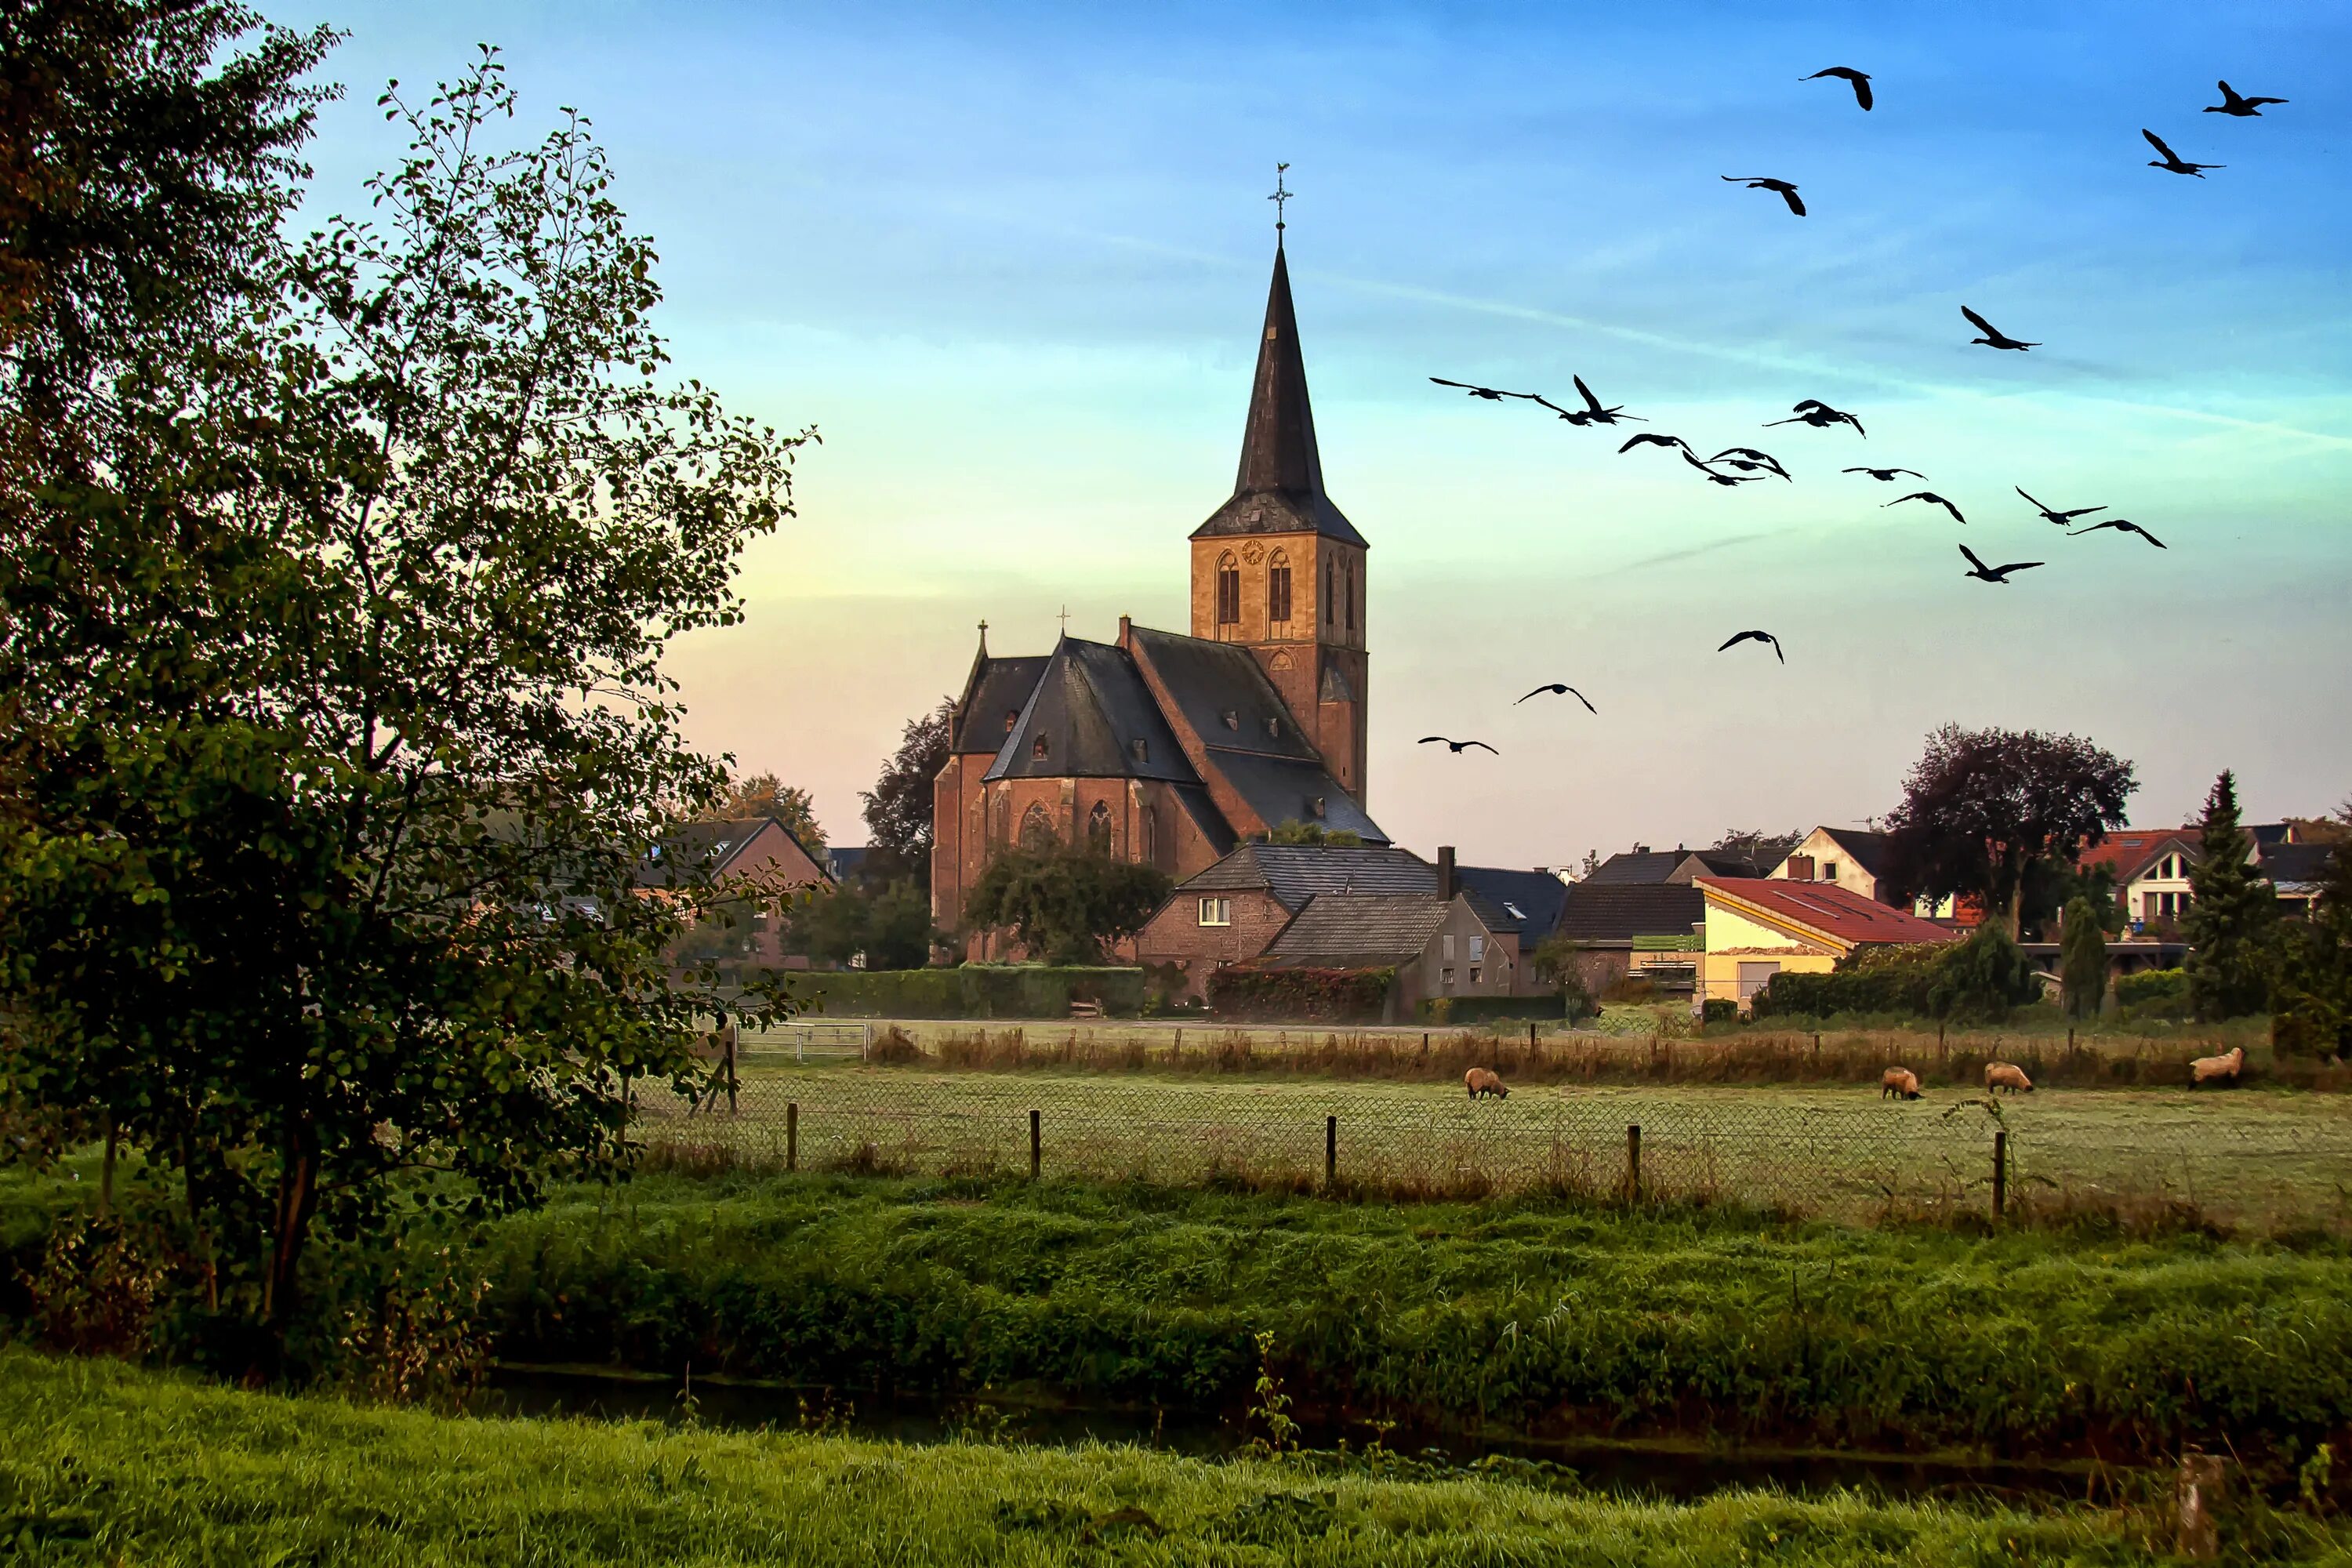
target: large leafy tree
890 927
366 903
898 806
2231 925
2313 997
1064 905
1983 808
765 794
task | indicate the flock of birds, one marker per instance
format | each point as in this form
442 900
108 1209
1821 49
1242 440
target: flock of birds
1736 465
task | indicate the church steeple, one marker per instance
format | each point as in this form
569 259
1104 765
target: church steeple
1278 488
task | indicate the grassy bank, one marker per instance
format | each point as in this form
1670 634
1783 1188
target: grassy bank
1539 1318
102 1464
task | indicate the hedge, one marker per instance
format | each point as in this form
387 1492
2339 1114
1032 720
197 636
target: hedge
1253 993
2152 985
1886 988
968 991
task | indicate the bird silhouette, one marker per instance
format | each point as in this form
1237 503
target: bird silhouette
1592 413
2172 162
1559 689
2233 103
1994 338
1861 82
2061 518
1993 574
1714 477
1652 438
1488 393
1747 459
1766 183
1885 476
1930 497
1456 747
1812 411
1756 636
2123 523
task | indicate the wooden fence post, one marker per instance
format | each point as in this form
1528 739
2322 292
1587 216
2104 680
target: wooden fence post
1634 1162
2000 1174
2195 1490
1331 1152
733 1109
1817 1050
106 1167
1036 1144
1531 1042
791 1136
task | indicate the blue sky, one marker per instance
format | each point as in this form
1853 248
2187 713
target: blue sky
1011 260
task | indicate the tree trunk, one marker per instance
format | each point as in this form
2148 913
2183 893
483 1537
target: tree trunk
297 1201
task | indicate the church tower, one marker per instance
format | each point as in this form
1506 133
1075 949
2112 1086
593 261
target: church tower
1279 569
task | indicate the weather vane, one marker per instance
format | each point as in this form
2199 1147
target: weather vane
1281 195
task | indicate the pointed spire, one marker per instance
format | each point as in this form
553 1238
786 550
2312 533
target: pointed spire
1279 437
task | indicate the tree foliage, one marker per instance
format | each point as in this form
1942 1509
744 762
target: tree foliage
2082 958
765 794
1557 963
320 854
1766 849
898 806
2313 1002
2231 924
1982 978
1065 906
1982 807
1296 831
890 927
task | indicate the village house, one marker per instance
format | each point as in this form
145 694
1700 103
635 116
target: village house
1635 930
1645 867
760 849
1757 928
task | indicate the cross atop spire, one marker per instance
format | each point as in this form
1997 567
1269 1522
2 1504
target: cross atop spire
1280 198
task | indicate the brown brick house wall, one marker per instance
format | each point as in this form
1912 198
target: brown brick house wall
1177 936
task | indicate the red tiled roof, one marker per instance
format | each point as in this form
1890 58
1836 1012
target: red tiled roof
1834 912
2126 849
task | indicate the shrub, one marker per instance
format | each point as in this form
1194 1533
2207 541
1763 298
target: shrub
969 991
1720 1010
1480 1009
1251 991
1877 980
1983 978
2153 994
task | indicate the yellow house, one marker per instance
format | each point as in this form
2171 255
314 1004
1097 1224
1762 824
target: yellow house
1758 927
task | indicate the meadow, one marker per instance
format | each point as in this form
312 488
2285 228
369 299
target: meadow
107 1464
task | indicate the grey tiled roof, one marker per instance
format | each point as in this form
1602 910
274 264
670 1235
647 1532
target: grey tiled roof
703 849
1289 789
1294 873
1097 720
1619 913
1531 900
1360 928
1628 868
2291 863
1865 849
999 689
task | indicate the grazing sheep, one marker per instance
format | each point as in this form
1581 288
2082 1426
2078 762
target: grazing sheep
1899 1081
2218 1070
2006 1075
1482 1080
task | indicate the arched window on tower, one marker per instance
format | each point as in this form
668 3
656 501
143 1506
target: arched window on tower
1348 592
1278 587
1036 829
1330 611
1098 829
1229 590
1151 835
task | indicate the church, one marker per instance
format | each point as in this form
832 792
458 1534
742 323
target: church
1170 748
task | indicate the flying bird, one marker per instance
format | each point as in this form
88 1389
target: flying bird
1558 688
1861 82
2232 103
1884 475
1747 459
1812 411
1714 477
2061 518
1592 413
1756 636
1931 497
1765 183
2172 162
1993 574
1994 338
1651 439
1488 393
2123 523
1456 747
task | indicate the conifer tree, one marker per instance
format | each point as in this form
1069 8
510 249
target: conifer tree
2232 919
2083 959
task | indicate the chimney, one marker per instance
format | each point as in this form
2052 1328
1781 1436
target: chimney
1447 884
1641 850
1125 632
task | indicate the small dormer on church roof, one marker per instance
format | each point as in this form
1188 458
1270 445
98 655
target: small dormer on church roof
1278 488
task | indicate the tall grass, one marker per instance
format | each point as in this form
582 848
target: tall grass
103 1464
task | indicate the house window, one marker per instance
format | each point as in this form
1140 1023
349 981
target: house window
1037 748
1477 950
1012 717
1216 911
1445 978
1229 591
1036 829
1473 974
1098 829
1278 587
1829 870
1348 592
1448 939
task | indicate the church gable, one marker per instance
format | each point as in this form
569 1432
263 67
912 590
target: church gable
1091 716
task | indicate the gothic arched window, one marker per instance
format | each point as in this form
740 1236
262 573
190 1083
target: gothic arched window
999 814
1348 592
1098 829
1229 590
1151 835
1278 587
1330 611
1036 829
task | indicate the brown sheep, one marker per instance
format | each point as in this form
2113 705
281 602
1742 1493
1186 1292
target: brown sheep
2222 1069
1482 1080
1898 1082
2006 1075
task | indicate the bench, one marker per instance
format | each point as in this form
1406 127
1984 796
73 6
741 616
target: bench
1086 1009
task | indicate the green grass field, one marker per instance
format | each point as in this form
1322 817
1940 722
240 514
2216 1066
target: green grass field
2253 1157
102 1464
